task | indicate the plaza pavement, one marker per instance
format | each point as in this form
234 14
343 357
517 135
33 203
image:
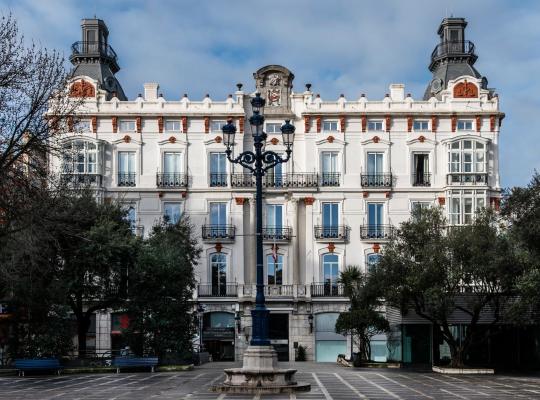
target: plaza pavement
328 382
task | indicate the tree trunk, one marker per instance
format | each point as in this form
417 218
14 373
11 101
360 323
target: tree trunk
83 323
458 354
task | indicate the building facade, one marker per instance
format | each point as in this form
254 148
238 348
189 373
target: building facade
358 169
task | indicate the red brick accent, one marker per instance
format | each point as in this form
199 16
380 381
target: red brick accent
115 124
274 141
388 122
218 139
465 90
387 194
478 123
172 139
184 125
241 124
318 121
308 201
331 247
434 122
82 89
160 124
218 247
94 124
492 122
364 123
70 123
376 247
138 123
307 123
330 139
409 124
127 139
365 195
453 122
442 201
342 123
239 200
206 124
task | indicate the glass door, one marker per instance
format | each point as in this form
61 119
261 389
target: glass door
330 174
330 225
375 220
274 221
375 169
218 220
172 169
330 274
218 169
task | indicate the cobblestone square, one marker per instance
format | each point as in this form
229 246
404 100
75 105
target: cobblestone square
328 382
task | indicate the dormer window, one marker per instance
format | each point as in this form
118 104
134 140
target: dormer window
127 126
375 125
421 125
217 125
173 126
330 126
464 125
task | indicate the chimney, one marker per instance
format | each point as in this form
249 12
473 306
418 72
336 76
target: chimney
151 91
397 91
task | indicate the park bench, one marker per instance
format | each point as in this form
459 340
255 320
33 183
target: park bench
128 362
37 364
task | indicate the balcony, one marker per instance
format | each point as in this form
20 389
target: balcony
330 179
85 180
327 290
276 233
467 179
218 233
217 290
460 48
127 179
422 180
381 181
171 180
271 181
279 291
376 232
242 180
218 180
332 233
97 49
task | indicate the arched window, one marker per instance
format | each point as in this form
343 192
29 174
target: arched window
467 156
218 271
274 265
372 260
80 157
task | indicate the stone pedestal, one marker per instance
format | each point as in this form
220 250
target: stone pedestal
260 374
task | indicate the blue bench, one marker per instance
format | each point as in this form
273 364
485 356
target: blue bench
128 362
37 364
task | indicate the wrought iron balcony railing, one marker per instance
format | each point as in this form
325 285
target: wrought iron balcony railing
330 178
467 179
94 180
240 180
277 233
453 47
381 232
376 180
171 180
340 232
215 232
217 290
84 47
126 179
328 289
422 180
218 180
271 181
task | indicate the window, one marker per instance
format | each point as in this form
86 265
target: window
127 126
375 220
420 125
419 205
126 168
375 163
372 260
330 269
274 216
218 272
274 176
82 126
218 214
330 220
173 126
172 162
217 125
218 169
131 217
330 171
464 125
272 127
274 269
375 125
80 157
464 204
421 175
467 156
172 212
330 126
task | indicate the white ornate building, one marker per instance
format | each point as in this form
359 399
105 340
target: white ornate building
358 168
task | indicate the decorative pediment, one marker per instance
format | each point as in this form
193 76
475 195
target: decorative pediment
82 88
421 139
377 140
128 139
331 140
173 140
465 90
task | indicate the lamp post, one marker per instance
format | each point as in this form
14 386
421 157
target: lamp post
258 162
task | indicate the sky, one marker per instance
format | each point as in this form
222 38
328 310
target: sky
339 46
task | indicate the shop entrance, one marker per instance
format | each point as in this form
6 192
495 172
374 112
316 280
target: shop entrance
279 334
218 335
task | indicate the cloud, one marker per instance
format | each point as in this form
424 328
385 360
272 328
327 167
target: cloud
340 46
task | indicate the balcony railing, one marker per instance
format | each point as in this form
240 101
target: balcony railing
279 290
381 232
126 179
285 181
217 290
332 232
376 180
326 290
216 232
218 180
276 233
467 179
84 47
453 47
95 180
422 180
171 180
330 178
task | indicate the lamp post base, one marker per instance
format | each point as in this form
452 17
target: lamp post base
260 374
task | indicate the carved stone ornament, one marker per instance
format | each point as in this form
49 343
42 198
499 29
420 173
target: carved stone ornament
218 139
330 139
274 141
331 247
421 139
172 139
82 88
127 139
465 90
376 247
376 139
218 247
274 82
274 79
274 97
239 200
308 201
